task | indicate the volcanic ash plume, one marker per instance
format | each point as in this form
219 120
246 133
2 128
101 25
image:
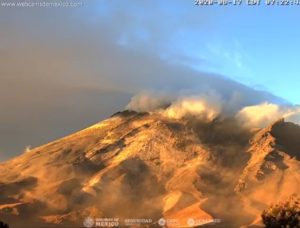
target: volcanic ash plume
148 102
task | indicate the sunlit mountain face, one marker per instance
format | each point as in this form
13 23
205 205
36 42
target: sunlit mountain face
195 105
175 172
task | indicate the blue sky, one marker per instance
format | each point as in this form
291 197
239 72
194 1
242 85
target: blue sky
255 45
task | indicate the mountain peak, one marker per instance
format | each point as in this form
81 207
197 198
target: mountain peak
275 154
154 166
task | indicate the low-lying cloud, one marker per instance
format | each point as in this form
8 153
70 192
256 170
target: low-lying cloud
206 107
202 107
211 105
263 114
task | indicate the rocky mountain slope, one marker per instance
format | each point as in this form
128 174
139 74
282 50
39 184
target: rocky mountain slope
142 165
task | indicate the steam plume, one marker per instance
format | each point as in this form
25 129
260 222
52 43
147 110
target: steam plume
206 108
211 105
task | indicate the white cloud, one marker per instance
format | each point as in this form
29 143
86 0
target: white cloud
264 114
206 108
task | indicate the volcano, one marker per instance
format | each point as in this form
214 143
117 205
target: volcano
150 170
